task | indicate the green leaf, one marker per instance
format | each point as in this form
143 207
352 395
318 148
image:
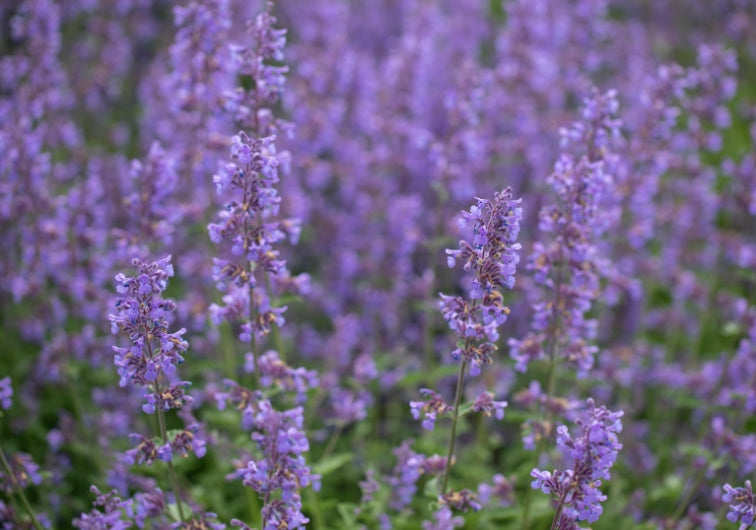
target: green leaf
331 464
346 511
431 488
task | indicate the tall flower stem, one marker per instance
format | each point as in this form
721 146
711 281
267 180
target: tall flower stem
171 469
557 515
164 436
18 490
455 418
552 351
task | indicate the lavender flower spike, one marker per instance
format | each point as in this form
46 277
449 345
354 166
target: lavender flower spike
492 258
154 351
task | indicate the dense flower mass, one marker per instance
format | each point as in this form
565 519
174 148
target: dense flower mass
304 166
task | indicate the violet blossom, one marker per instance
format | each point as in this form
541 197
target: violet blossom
742 504
588 456
491 259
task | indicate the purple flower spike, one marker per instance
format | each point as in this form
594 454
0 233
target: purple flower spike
568 264
492 258
143 316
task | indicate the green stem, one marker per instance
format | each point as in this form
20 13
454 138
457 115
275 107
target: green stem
227 350
254 506
314 505
256 372
252 340
558 514
544 418
171 469
332 442
19 490
453 435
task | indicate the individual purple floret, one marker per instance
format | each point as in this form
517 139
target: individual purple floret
492 259
430 408
588 457
6 393
742 504
486 404
444 520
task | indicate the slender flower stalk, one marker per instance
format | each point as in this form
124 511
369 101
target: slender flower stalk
251 277
568 264
248 222
491 259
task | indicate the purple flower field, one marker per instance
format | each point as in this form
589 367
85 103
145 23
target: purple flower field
411 265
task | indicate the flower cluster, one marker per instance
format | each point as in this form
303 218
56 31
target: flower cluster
404 477
275 372
281 467
430 408
110 510
485 403
253 107
589 456
23 472
742 504
444 520
491 259
154 352
568 266
150 361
